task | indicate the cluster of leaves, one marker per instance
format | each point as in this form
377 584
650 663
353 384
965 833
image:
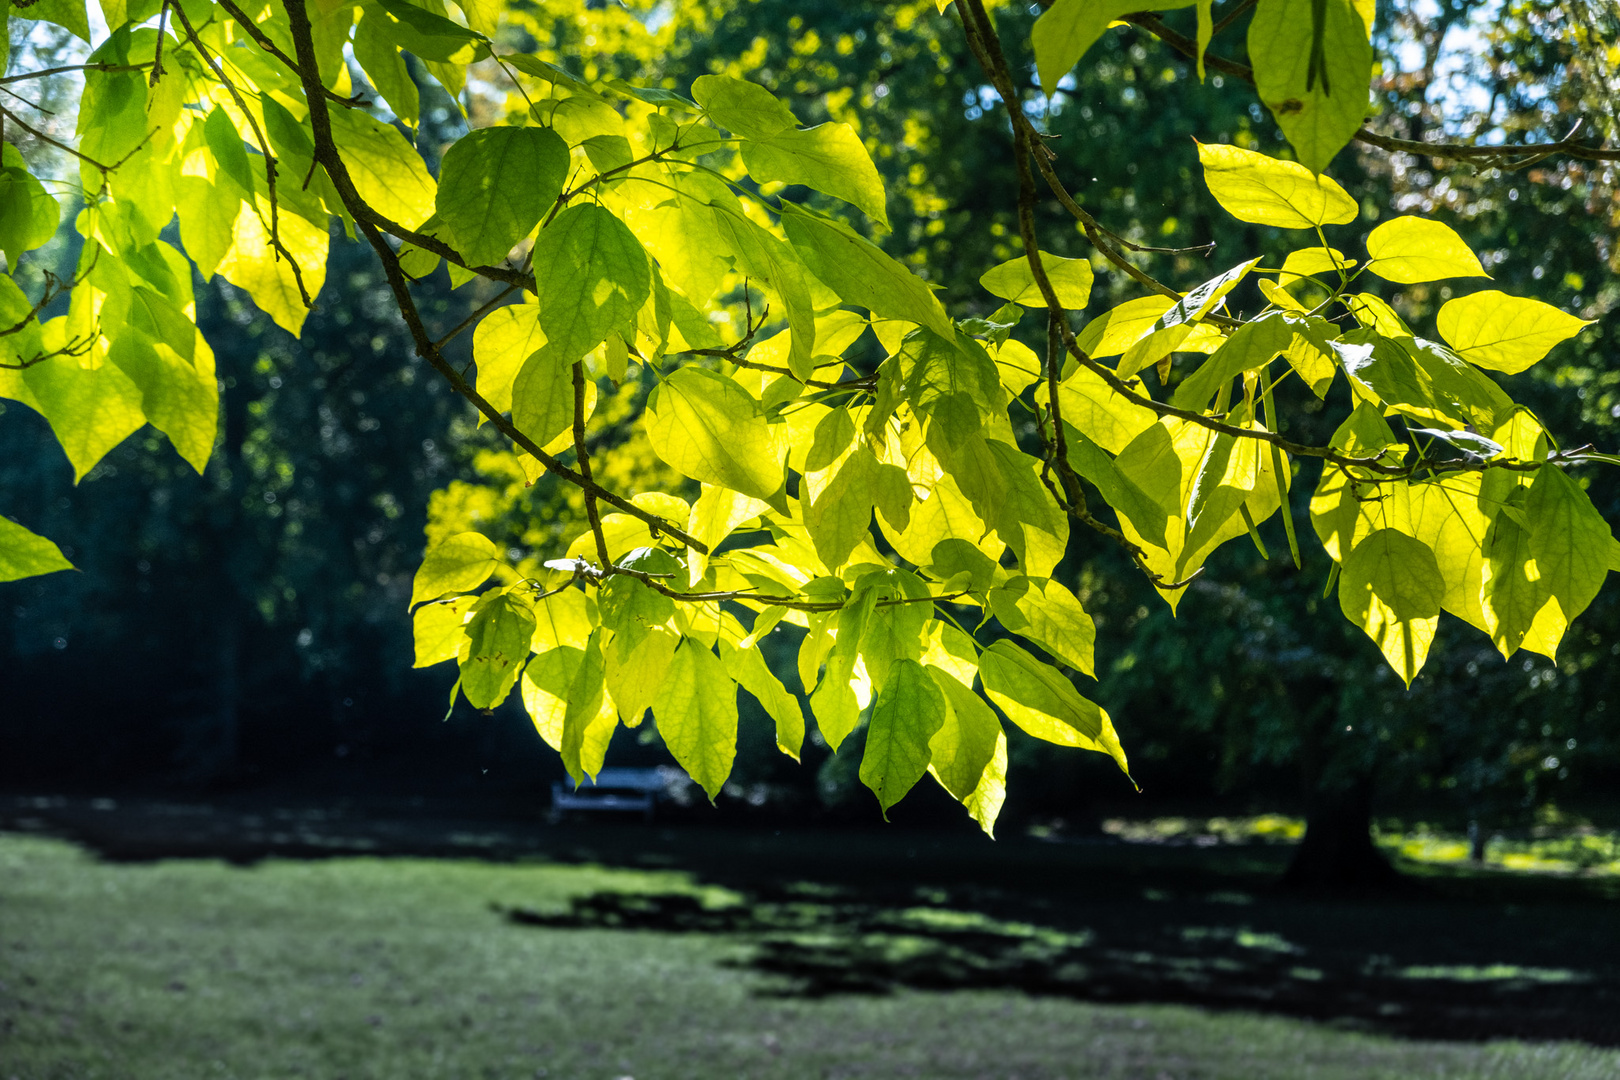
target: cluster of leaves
628 216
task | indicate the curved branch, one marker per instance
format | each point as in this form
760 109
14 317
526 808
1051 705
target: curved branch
326 153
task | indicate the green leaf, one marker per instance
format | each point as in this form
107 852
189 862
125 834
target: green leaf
503 341
1391 587
28 214
828 158
1047 613
1171 329
1147 517
743 108
90 410
1569 540
764 258
498 636
860 273
543 396
434 37
1015 281
1105 416
709 428
836 708
1042 702
480 199
747 666
589 718
457 564
636 670
1312 68
437 629
906 715
966 744
1068 28
1516 597
546 688
1252 345
25 554
1266 191
597 279
697 716
1504 333
379 58
1446 518
1413 249
387 171
839 515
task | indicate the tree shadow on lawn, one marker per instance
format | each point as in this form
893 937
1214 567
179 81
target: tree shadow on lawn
1161 952
1468 955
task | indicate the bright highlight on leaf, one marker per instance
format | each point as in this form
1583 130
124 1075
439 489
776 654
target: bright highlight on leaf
1266 191
1015 281
1504 333
1413 249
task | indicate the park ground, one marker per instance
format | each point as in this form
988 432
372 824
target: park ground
160 940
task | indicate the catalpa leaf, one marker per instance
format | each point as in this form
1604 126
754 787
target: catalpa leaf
906 715
495 184
1015 281
1413 249
1312 67
1267 191
458 564
25 554
1504 333
709 428
697 716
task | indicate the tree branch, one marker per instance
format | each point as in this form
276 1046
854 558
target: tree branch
327 155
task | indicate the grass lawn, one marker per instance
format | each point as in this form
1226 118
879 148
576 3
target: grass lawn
399 968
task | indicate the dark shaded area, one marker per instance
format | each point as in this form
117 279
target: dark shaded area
1465 956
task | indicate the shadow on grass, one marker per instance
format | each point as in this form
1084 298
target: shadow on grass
1470 956
821 945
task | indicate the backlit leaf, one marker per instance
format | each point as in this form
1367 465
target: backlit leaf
1413 249
1267 191
457 564
1312 67
25 554
480 199
1392 588
907 714
697 716
1042 702
1015 281
709 428
1502 332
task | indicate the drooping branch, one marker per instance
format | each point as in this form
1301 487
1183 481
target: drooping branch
326 154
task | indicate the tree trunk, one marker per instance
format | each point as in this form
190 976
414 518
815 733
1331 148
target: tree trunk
1337 855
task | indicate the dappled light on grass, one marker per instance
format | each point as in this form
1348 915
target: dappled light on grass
388 968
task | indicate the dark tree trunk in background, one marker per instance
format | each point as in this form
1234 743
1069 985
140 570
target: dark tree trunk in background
1337 855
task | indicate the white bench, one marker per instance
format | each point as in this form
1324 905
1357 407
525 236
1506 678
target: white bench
614 789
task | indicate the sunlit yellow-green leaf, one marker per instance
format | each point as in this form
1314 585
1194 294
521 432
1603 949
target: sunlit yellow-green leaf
709 428
1267 191
1413 249
486 212
498 636
906 715
1502 332
1312 68
1068 28
387 170
748 667
1015 281
437 629
1042 702
458 564
860 273
697 716
25 554
1446 518
1392 588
